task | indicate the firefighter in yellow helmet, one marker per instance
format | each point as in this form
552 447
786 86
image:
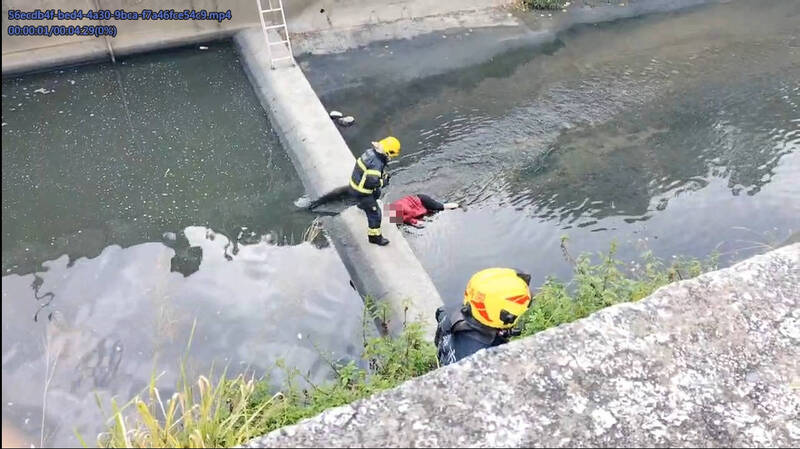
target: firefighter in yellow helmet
369 176
494 300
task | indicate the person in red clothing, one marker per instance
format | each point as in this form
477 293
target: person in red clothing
410 208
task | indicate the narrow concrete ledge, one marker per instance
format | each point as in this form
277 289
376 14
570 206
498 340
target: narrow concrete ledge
390 274
324 21
316 26
325 40
43 58
324 162
319 153
711 361
330 15
97 50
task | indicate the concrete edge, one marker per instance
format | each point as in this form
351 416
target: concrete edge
91 51
316 148
336 40
390 274
540 363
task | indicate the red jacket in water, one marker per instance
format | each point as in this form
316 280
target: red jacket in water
408 209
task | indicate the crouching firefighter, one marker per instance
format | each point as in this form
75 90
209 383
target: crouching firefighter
368 178
494 300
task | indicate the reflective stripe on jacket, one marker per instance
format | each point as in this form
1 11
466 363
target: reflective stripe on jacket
368 172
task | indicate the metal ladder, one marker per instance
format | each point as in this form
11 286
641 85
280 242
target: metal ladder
271 9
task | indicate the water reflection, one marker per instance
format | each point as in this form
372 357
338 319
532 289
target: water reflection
676 132
117 163
107 323
577 127
713 130
121 154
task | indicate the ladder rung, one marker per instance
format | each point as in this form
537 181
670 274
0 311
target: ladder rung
270 10
272 27
279 42
281 58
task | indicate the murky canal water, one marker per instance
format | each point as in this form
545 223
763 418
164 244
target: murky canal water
675 132
136 199
142 196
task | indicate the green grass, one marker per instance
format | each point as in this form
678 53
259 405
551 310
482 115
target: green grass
603 283
221 411
218 410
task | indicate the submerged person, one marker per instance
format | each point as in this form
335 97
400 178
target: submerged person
411 208
494 300
368 177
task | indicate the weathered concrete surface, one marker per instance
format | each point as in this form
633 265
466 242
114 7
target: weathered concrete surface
346 25
28 53
391 274
343 26
327 15
319 152
711 361
324 162
316 25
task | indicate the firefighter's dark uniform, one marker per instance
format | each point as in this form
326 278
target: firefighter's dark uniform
365 186
458 335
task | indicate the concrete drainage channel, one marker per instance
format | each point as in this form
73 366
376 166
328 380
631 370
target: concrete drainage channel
392 274
323 161
395 276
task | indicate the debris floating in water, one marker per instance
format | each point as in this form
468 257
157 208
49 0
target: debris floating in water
346 121
341 119
303 202
203 47
43 91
